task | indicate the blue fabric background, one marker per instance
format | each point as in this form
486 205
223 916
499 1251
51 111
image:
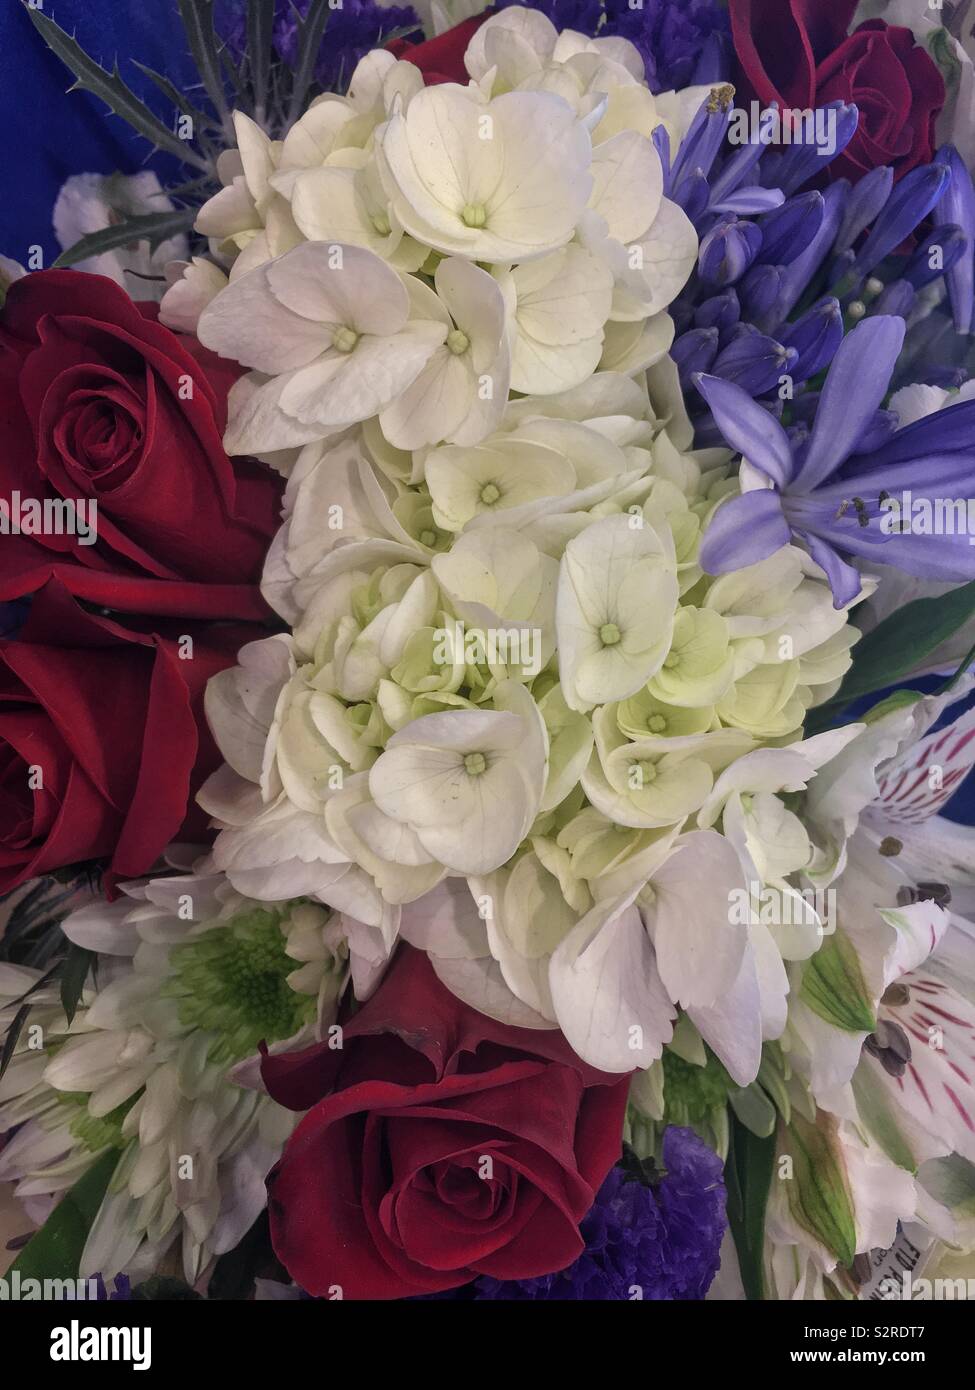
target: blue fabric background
50 133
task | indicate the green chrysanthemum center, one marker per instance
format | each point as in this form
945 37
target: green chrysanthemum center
232 982
692 1092
95 1132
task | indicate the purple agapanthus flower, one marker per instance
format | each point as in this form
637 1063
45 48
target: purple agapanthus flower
834 487
652 1242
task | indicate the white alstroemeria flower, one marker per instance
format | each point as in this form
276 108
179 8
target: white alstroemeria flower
330 326
900 863
615 610
90 203
468 782
914 1087
849 1199
192 285
461 393
558 307
499 181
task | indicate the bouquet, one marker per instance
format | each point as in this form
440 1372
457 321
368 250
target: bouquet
488 580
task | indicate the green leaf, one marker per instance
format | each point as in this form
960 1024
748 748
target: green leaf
54 1252
197 17
178 98
748 1177
834 988
898 644
260 23
110 88
74 973
20 1017
154 227
13 1033
754 1109
818 1191
309 44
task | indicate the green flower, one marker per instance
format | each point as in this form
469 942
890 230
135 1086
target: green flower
232 982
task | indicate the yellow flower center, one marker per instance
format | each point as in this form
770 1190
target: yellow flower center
344 339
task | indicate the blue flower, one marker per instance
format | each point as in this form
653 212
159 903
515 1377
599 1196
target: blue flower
834 486
351 32
659 1242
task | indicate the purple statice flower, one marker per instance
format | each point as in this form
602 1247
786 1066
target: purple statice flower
681 42
583 16
360 25
351 31
835 486
662 1240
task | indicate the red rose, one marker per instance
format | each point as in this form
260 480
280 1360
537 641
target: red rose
100 403
797 52
441 59
439 1145
102 737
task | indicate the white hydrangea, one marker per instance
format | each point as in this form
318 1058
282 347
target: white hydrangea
506 667
507 234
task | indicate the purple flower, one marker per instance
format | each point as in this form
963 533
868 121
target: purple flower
351 31
957 208
681 42
824 489
663 1240
360 25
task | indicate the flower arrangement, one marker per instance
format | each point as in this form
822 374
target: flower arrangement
487 647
